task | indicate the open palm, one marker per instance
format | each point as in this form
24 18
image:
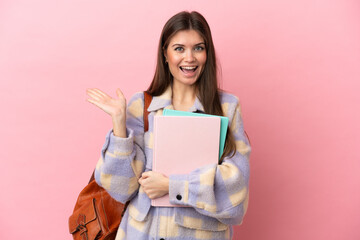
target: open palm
112 106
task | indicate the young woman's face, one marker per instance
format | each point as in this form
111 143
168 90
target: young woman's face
186 56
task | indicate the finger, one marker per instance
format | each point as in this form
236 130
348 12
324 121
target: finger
146 174
95 93
92 91
96 103
94 97
143 180
101 92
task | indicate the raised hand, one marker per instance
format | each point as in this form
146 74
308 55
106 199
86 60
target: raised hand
113 107
116 108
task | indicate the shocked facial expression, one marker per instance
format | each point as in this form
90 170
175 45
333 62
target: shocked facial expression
186 56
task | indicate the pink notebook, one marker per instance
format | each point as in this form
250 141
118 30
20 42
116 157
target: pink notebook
182 144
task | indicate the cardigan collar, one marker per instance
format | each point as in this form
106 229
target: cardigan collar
165 101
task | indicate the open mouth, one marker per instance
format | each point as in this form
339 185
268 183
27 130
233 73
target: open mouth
188 69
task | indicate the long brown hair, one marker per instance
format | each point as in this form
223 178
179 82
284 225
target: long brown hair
206 84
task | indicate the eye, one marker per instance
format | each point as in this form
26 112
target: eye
199 48
179 49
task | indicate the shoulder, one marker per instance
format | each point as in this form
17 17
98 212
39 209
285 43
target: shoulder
138 96
226 97
229 103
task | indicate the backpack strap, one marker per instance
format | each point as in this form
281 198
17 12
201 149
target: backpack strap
147 101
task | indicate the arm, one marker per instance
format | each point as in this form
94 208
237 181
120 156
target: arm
122 157
219 191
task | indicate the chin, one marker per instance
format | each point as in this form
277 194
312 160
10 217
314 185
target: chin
190 82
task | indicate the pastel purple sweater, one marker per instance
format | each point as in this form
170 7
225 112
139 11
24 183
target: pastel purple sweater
217 195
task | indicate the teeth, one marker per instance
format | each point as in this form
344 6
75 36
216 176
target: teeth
188 68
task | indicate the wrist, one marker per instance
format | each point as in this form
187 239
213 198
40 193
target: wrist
119 127
118 117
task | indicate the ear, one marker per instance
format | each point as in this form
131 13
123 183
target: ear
165 54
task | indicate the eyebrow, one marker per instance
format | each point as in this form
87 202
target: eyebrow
182 45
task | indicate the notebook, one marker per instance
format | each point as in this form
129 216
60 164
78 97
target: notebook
182 144
223 126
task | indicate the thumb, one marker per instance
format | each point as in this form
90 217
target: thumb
119 93
145 175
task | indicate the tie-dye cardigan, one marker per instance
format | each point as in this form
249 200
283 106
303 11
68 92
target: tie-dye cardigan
216 195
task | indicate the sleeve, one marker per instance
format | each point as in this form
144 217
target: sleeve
122 160
218 191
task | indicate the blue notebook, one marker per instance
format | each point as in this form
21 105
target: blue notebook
224 122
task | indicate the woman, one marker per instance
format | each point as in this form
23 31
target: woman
217 195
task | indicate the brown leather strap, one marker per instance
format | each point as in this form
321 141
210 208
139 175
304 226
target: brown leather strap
147 101
92 176
83 234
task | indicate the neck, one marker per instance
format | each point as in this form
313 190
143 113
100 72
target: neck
183 96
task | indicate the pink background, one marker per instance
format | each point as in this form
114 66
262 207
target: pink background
295 66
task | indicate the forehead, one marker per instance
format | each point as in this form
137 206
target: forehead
186 37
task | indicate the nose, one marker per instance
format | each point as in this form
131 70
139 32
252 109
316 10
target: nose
189 56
